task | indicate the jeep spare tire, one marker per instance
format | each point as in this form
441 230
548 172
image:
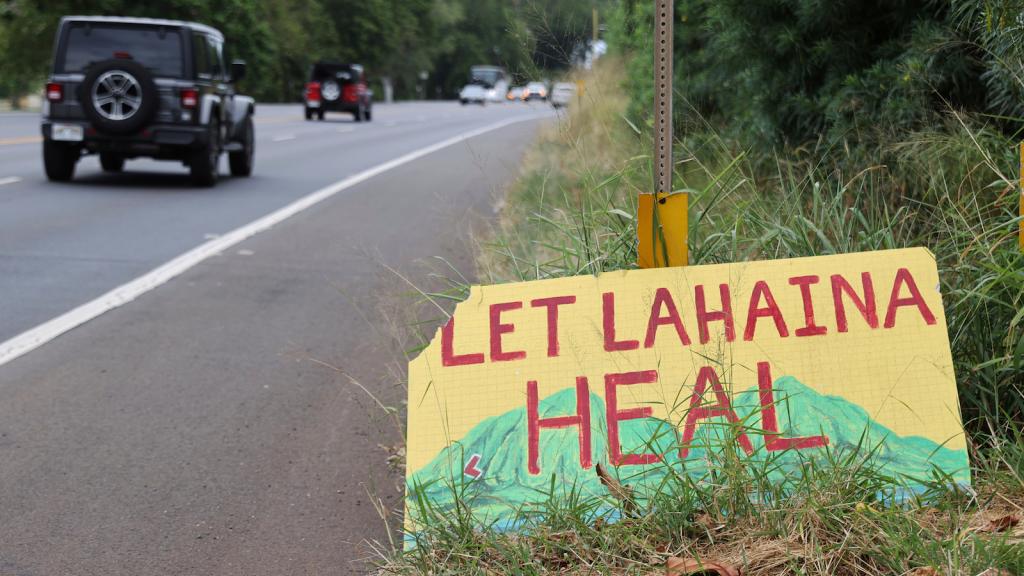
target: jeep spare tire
330 90
118 96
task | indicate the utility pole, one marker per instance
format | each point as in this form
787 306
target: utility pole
662 217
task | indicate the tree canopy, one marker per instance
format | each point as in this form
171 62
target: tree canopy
397 39
793 71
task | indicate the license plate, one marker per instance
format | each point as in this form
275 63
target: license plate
67 132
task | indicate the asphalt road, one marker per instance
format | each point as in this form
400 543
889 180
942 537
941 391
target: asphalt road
196 429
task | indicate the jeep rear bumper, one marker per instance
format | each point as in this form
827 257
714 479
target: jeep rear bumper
167 141
333 106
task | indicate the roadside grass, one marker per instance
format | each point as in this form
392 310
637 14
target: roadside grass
834 519
952 190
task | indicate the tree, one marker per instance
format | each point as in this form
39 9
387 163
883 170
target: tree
792 71
396 39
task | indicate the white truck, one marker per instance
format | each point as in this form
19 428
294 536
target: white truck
486 84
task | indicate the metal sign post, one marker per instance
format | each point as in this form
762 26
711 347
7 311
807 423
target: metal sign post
662 225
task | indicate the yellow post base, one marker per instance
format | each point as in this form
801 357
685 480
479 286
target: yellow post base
662 230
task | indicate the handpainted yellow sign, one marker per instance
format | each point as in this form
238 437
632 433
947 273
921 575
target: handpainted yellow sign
651 371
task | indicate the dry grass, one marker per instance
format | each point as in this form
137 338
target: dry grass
959 533
570 213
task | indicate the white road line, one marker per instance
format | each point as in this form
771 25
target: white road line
36 337
284 138
9 180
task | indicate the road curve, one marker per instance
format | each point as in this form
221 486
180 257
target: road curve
64 244
196 430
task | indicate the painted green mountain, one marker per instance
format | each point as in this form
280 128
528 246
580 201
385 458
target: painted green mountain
506 485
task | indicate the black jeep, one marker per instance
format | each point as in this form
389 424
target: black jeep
137 87
337 87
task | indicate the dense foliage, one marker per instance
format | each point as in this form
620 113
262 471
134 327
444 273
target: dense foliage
792 71
395 39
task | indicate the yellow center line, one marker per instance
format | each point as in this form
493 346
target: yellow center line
20 140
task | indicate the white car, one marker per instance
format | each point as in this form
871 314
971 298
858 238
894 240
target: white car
562 94
476 94
535 91
514 93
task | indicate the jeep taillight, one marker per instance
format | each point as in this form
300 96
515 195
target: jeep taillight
54 92
189 98
350 93
313 91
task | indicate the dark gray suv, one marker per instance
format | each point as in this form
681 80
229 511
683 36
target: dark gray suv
137 87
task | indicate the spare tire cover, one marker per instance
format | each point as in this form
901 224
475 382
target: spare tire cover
330 90
118 96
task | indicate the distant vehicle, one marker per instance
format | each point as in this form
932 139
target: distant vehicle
562 94
486 84
475 94
535 91
125 88
336 87
514 93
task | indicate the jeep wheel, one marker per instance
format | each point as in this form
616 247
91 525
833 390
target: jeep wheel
320 114
309 113
118 96
111 162
204 162
360 113
59 160
368 116
241 161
